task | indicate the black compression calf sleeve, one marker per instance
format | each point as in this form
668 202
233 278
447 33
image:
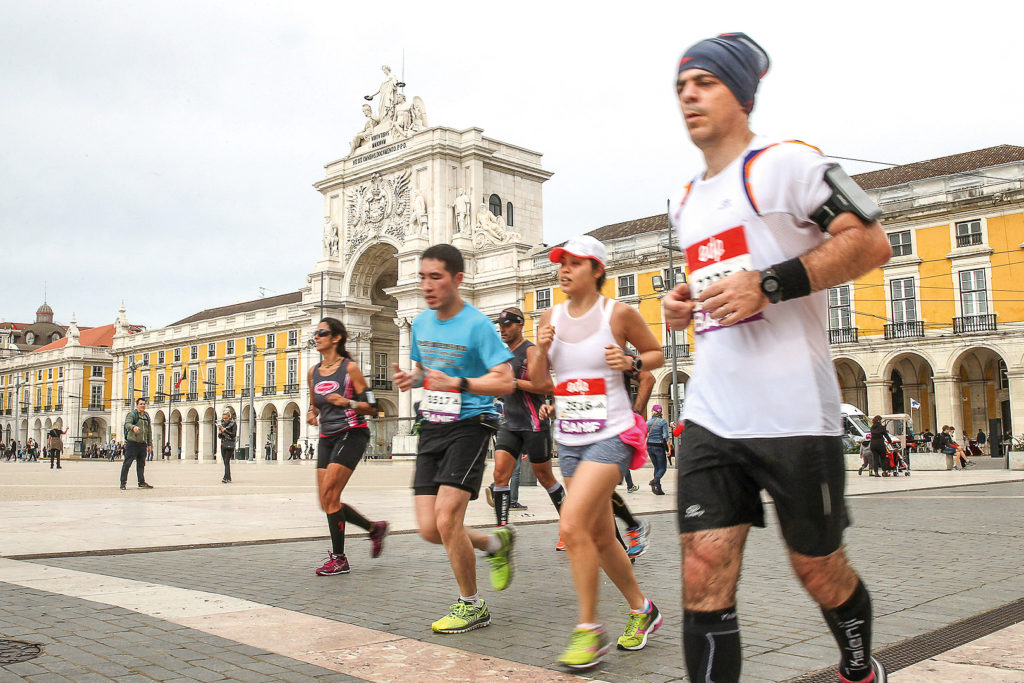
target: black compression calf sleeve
557 496
711 645
851 625
621 511
336 523
355 518
502 499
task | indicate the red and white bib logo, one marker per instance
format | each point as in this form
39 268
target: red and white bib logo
581 405
326 387
712 259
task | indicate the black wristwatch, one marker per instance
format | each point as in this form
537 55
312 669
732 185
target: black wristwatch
638 364
464 385
771 285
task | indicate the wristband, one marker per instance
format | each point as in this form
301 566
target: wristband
794 279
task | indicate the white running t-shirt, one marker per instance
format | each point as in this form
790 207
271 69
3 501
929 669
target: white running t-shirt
772 374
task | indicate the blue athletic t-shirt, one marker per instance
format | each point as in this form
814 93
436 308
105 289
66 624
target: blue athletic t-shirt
464 346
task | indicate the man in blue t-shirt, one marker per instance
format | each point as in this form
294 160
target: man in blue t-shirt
461 364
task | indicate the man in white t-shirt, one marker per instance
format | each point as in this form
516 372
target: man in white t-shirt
762 406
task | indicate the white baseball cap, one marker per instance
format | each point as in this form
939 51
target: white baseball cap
581 246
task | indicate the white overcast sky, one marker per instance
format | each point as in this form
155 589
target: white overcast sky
163 152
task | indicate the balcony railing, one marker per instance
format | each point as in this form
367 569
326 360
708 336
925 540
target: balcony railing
968 240
245 392
291 388
904 330
48 407
682 351
127 403
380 384
842 335
209 395
7 411
58 406
95 406
159 399
176 398
193 395
269 389
974 323
228 393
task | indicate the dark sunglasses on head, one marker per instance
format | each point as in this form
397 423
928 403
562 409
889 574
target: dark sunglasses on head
322 333
509 318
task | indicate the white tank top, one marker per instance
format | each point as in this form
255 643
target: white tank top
591 400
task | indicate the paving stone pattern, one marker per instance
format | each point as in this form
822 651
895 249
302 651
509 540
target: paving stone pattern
84 641
928 557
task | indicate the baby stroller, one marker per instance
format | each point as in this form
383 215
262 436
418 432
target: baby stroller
899 461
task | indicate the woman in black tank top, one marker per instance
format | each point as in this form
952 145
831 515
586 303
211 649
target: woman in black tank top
339 399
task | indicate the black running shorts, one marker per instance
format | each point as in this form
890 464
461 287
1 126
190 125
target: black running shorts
345 448
452 454
536 445
720 484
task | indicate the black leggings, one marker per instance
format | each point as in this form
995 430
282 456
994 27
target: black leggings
226 454
54 453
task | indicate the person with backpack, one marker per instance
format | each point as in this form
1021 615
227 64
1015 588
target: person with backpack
138 436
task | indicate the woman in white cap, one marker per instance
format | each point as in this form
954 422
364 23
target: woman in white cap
581 342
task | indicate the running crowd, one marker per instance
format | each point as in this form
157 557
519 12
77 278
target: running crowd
768 227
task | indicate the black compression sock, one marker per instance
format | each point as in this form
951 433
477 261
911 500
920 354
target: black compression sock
621 511
711 645
557 496
851 625
336 523
355 518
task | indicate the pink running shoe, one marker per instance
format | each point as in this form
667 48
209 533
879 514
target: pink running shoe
335 564
377 534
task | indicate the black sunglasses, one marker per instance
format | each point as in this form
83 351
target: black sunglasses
322 333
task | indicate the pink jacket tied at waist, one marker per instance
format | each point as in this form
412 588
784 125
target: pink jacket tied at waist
636 436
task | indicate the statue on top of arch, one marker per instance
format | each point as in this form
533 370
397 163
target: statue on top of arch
395 119
491 230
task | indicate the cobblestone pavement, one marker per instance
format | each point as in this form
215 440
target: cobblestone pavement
929 558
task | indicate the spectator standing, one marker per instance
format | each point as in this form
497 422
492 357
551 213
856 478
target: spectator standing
657 448
227 432
55 445
138 434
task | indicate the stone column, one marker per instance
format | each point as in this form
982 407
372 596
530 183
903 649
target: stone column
404 362
948 405
205 441
879 398
1016 392
284 437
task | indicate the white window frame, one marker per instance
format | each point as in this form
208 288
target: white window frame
546 292
177 355
893 300
977 296
838 291
211 350
193 352
270 374
229 378
96 397
908 245
982 232
193 381
293 371
627 282
380 365
293 340
229 347
97 371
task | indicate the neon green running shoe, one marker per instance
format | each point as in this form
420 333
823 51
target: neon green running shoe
463 617
638 628
586 648
502 566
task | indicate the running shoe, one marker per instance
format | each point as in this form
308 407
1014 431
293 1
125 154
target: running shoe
637 537
517 506
878 674
463 617
502 566
639 627
378 531
335 564
489 494
560 545
634 488
586 648
144 485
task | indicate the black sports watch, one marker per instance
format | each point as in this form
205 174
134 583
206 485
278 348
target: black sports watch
638 364
771 285
464 385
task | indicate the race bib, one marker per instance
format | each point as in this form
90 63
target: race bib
441 406
713 259
581 406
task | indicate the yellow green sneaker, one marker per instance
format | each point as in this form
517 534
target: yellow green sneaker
639 627
463 617
502 566
586 648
